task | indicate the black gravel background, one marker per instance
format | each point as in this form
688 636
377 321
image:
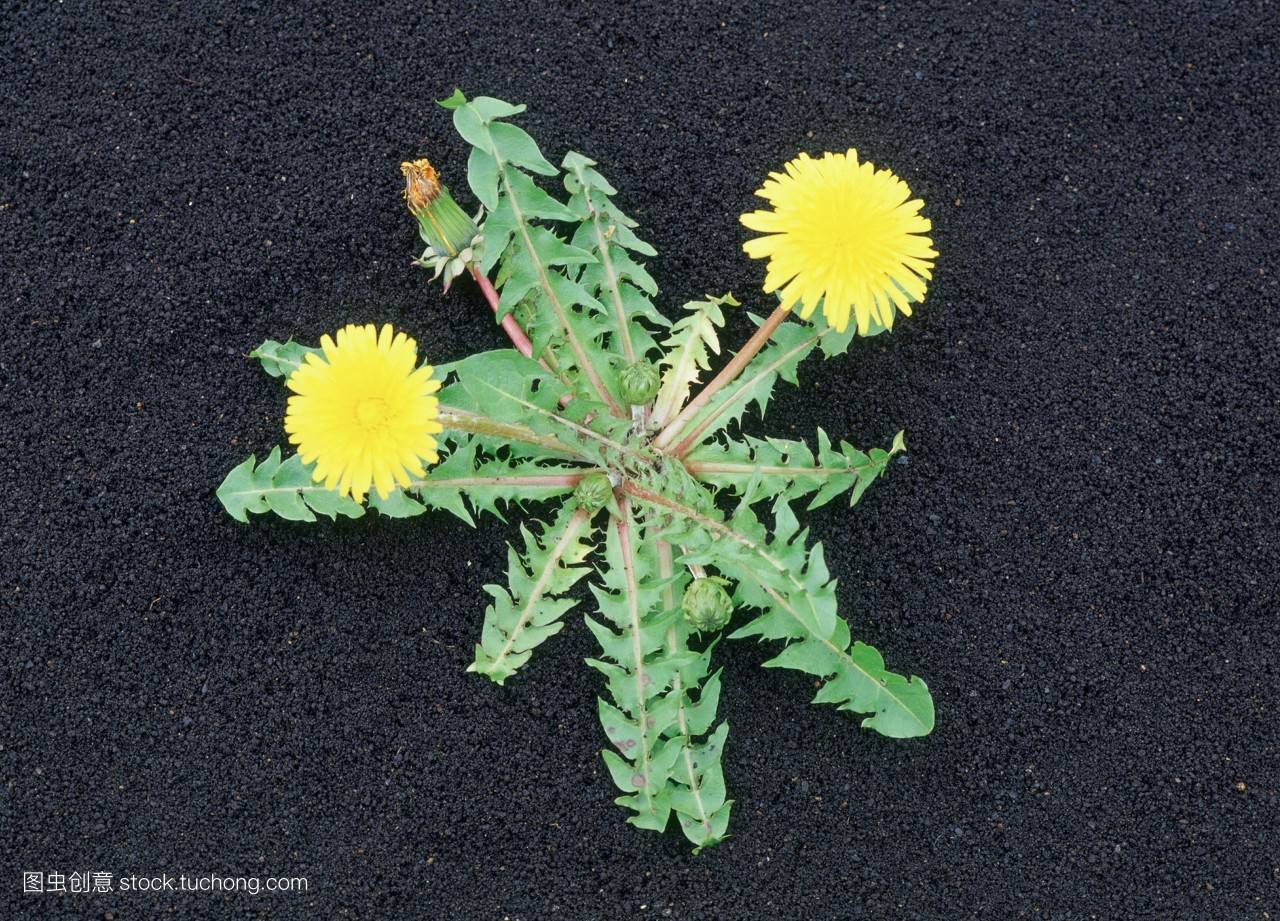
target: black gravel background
1079 555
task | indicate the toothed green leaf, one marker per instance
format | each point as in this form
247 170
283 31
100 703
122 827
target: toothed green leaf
777 468
531 607
790 344
280 359
660 700
396 505
487 475
284 488
504 385
694 338
796 597
614 279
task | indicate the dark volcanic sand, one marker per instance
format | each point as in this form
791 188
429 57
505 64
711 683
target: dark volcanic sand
1079 556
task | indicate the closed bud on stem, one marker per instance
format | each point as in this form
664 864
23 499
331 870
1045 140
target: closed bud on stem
706 605
444 226
593 492
640 382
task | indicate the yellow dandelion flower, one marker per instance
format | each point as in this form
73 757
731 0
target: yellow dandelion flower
364 411
843 234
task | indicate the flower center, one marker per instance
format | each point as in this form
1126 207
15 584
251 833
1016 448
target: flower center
371 412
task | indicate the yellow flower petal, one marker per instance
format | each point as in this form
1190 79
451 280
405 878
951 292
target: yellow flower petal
363 412
844 235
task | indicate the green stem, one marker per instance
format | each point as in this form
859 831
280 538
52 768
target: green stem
460 420
568 480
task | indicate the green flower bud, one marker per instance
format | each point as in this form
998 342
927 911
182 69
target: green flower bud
706 604
441 223
640 382
593 492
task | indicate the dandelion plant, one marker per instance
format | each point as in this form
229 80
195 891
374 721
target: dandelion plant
597 422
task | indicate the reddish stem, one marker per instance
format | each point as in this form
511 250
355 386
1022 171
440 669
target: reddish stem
726 375
512 328
549 480
509 324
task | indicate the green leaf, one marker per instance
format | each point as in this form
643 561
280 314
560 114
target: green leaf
489 108
698 791
396 505
614 278
505 386
632 634
660 701
283 488
482 176
484 379
535 203
699 800
792 589
582 175
473 127
532 606
453 100
537 267
514 145
694 338
778 468
798 605
280 359
486 473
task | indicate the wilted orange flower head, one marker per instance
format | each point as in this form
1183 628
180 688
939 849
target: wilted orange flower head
421 184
